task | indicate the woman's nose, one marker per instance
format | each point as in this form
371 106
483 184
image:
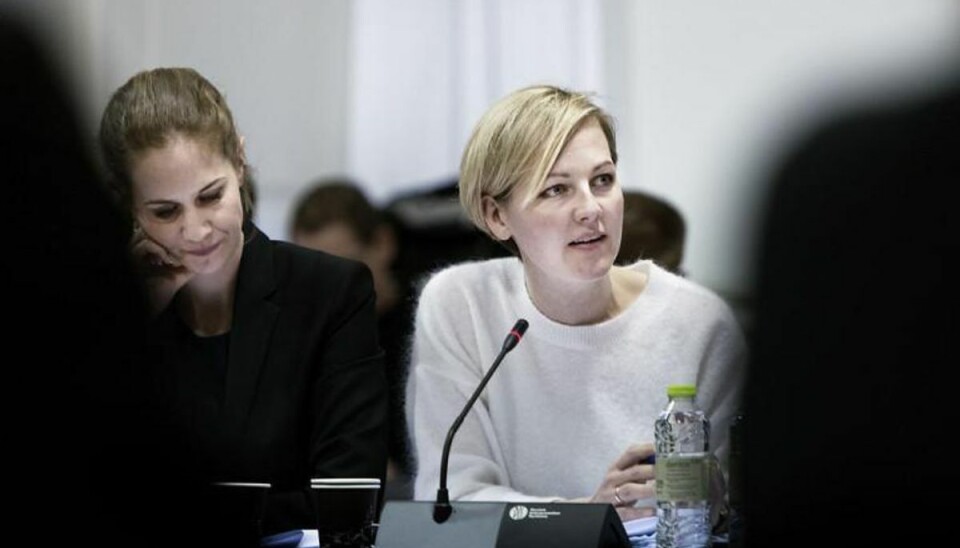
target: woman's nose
195 226
587 207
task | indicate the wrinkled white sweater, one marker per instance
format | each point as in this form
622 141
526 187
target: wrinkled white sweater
569 399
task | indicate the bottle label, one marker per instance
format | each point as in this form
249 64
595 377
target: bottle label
683 477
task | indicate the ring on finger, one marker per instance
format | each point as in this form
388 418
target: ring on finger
616 496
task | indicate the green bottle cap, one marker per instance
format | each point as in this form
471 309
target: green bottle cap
681 390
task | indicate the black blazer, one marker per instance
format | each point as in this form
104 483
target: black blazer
305 389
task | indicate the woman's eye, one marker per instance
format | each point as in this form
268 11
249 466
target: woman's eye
604 179
211 197
165 212
552 191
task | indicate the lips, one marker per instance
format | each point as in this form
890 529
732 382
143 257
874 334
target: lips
587 240
203 251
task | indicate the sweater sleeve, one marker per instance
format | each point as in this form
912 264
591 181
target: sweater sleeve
447 366
720 382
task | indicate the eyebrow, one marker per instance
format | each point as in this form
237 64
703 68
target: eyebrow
595 169
205 188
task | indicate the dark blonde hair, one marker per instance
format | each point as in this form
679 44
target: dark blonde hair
518 140
156 104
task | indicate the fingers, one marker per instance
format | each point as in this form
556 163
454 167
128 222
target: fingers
163 283
638 473
633 455
629 479
629 493
150 253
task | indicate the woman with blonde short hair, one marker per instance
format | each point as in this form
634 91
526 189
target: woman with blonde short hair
570 414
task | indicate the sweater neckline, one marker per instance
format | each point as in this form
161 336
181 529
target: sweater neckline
594 335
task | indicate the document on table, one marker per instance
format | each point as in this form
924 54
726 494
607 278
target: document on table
298 538
642 532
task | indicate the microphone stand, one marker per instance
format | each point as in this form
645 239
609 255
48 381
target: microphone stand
442 508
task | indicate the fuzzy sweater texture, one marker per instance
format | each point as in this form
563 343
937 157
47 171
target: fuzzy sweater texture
569 399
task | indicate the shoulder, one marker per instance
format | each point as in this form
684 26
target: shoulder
686 298
299 270
472 278
458 296
302 258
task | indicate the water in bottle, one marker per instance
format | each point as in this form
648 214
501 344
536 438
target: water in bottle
682 434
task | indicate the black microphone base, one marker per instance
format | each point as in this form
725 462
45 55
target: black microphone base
406 524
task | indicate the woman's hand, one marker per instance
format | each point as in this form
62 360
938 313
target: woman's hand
628 480
163 273
718 493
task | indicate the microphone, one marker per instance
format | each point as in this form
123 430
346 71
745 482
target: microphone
442 508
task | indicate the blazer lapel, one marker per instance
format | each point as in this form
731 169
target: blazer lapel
254 317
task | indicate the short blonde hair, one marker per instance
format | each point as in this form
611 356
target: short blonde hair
518 140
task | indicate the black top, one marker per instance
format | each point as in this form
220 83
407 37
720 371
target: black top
303 393
211 365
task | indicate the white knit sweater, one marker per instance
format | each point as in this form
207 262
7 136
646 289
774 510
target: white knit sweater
569 399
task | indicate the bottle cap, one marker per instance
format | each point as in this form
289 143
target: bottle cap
681 390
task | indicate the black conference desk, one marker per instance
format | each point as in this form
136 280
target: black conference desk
306 539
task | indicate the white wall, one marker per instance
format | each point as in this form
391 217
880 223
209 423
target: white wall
424 71
710 91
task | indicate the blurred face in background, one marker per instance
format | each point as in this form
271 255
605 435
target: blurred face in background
569 230
186 198
336 239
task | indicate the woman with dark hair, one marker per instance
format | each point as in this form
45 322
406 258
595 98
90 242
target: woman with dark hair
271 369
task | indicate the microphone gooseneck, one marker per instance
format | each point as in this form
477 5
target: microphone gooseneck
442 508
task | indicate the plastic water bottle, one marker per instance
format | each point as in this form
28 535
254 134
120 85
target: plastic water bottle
682 434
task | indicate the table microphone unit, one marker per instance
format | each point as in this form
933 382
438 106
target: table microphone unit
424 524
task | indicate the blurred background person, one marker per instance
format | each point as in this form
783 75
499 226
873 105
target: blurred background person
571 417
270 366
334 216
849 413
434 232
652 229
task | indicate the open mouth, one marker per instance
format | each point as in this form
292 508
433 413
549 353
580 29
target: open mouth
588 240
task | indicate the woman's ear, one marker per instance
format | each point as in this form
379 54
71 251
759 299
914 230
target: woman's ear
494 216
